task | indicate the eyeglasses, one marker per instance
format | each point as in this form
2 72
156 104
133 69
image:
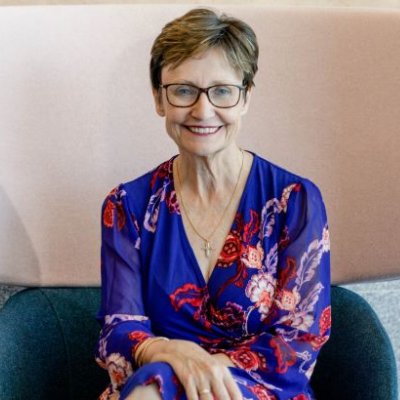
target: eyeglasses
221 96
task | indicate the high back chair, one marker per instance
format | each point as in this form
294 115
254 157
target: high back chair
77 117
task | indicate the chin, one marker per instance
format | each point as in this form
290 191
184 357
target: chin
204 150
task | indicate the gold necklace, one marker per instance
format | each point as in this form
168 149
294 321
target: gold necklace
207 244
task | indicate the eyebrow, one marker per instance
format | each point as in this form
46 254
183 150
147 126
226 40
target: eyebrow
214 83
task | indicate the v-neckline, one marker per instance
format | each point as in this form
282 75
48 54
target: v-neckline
182 231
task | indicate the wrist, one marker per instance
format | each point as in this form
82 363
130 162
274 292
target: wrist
148 348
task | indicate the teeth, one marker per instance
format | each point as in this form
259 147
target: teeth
203 131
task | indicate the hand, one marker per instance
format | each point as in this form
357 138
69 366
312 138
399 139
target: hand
203 376
223 359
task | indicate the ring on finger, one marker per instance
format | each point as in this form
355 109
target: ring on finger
204 391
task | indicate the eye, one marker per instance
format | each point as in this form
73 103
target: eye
183 90
222 90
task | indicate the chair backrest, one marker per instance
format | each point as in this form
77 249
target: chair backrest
77 117
47 339
358 362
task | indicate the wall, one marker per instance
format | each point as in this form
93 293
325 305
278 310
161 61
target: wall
380 295
334 3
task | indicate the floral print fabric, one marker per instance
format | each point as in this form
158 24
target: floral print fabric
266 304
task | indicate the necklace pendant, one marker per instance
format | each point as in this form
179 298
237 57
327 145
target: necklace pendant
207 248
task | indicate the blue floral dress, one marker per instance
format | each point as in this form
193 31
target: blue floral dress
266 304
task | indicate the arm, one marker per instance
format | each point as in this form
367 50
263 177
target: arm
126 334
124 324
296 311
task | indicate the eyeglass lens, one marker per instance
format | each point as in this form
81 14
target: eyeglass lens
187 95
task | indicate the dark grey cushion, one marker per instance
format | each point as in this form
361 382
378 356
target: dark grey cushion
47 339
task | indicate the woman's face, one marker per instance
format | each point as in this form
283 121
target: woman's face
202 129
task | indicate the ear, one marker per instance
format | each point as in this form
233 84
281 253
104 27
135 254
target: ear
158 101
247 99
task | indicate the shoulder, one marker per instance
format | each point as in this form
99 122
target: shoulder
275 173
297 201
287 194
151 179
135 193
281 180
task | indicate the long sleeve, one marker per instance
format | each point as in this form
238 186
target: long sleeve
291 296
124 324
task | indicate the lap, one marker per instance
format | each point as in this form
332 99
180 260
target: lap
162 375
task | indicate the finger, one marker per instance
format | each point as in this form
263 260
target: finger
204 388
190 389
233 388
219 389
205 393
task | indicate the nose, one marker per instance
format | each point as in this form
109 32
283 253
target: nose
202 109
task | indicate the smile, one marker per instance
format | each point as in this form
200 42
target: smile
203 130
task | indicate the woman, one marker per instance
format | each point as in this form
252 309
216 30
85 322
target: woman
215 265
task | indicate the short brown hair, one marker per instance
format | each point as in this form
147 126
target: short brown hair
199 30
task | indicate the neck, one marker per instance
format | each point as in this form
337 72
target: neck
209 177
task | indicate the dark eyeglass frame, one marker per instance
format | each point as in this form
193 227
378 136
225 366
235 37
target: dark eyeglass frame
202 90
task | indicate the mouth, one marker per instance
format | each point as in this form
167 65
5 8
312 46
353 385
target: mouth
203 130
